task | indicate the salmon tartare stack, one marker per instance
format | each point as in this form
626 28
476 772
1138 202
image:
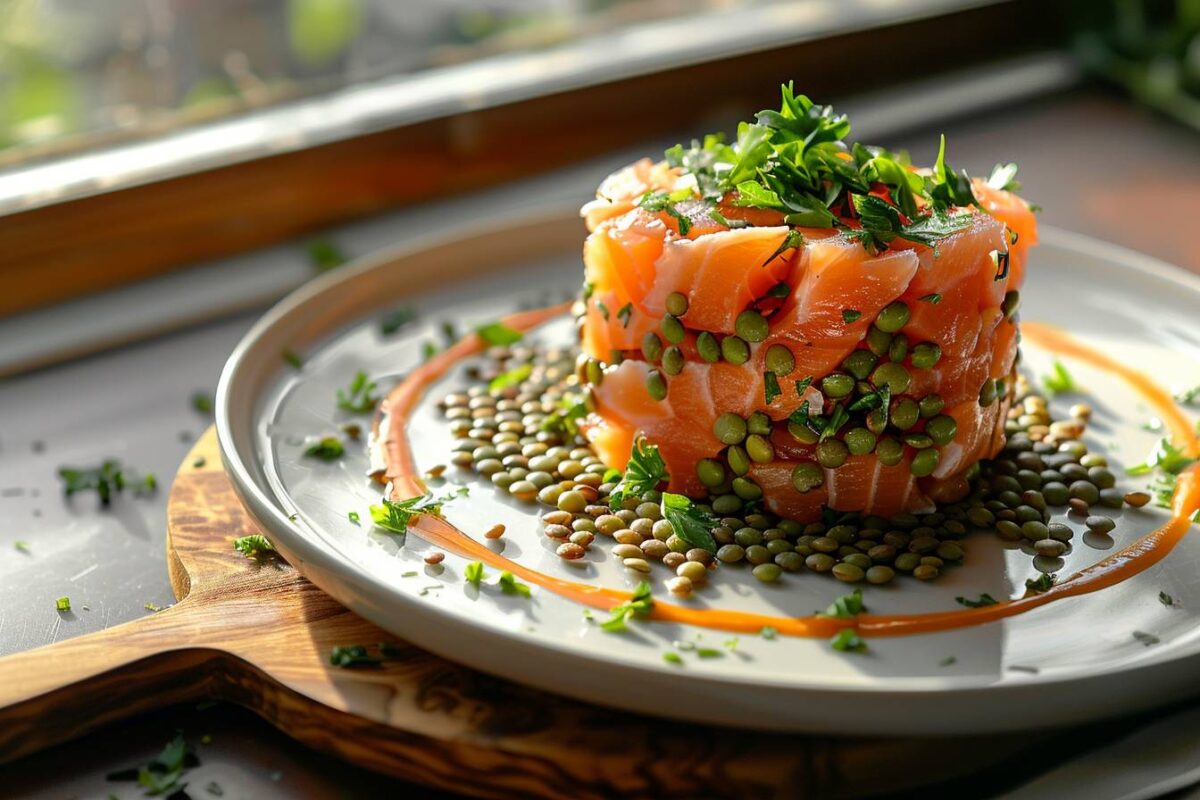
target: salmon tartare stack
801 321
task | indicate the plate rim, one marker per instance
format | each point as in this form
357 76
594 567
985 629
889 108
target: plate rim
335 574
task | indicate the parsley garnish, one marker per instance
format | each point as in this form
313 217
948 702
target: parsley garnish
354 655
202 402
512 377
325 255
638 605
394 515
499 334
106 480
1165 457
671 657
1004 176
837 418
428 350
327 448
254 546
359 398
1189 396
603 309
947 661
932 299
624 313
709 652
848 605
510 585
949 188
473 573
768 632
63 604
661 201
292 358
793 240
354 517
1060 380
689 522
848 641
1166 599
1147 639
393 321
850 315
563 419
1041 584
984 600
644 472
163 773
22 546
771 388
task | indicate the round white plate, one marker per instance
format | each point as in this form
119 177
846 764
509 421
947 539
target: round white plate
1088 663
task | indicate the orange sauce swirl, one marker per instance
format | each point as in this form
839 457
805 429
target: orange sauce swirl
1122 565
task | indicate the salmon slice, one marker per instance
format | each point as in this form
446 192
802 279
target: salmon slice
861 483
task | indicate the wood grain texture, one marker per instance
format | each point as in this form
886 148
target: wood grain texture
260 635
93 243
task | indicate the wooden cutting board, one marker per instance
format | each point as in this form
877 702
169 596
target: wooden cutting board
260 635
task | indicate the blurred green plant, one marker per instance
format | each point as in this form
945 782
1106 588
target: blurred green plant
1150 47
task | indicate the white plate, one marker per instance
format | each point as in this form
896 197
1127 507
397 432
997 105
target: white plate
1088 663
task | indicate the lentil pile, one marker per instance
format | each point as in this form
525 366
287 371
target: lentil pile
516 426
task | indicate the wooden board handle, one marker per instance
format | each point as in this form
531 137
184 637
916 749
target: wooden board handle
61 691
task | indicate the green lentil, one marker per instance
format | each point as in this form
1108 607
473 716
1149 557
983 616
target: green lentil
672 361
747 489
759 423
779 359
950 551
860 441
735 350
524 491
777 546
738 460
677 304
1056 493
1034 530
767 573
710 472
925 462
860 363
905 413
790 561
837 384
807 476
892 375
1061 532
907 562
803 433
1111 498
708 348
759 449
656 385
918 441
672 329
819 562
879 575
931 405
926 355
893 317
730 428
1012 301
848 573
727 504
1101 477
889 451
925 572
898 350
878 341
988 392
652 346
1099 524
1008 530
832 453
1087 492
757 554
942 430
746 536
731 553
751 326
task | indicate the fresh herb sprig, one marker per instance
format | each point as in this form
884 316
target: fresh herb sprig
638 605
106 480
395 515
644 472
360 397
689 522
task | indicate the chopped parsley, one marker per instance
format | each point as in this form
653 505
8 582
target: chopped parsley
354 655
603 309
771 388
850 315
838 417
1041 584
671 657
803 384
564 419
512 377
1004 176
793 240
624 313
395 515
393 321
1166 599
1190 396
1059 381
662 201
63 604
106 480
473 573
644 472
22 546
254 546
932 299
497 334
428 350
292 358
848 605
510 585
202 402
199 462
709 652
354 517
327 448
359 398
947 661
1165 462
162 774
847 640
984 600
768 632
689 522
325 255
1147 639
638 605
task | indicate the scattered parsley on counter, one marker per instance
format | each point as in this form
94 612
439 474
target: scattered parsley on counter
63 604
394 515
947 661
395 320
106 480
327 448
497 334
22 546
199 462
360 397
638 605
163 773
325 255
354 655
202 402
254 546
473 573
292 358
